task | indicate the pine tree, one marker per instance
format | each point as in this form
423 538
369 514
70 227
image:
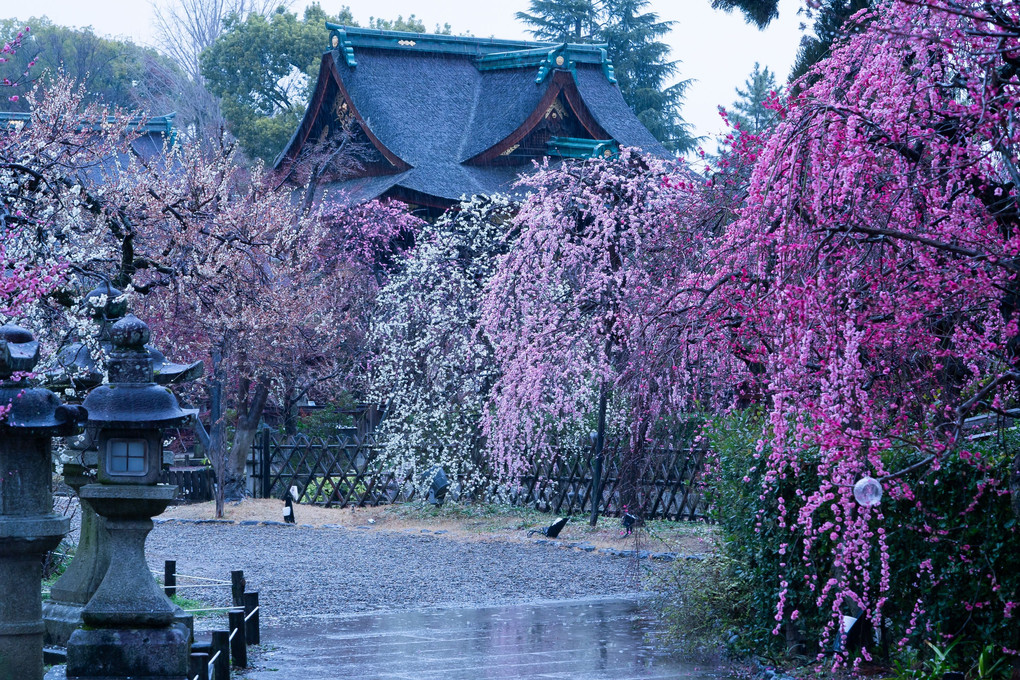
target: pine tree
749 110
575 21
758 12
830 24
643 68
640 58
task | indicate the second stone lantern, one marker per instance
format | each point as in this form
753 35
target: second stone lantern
130 628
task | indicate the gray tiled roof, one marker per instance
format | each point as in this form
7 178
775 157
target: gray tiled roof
432 102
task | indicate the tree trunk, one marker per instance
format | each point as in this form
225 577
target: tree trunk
244 434
290 408
600 441
1014 485
218 429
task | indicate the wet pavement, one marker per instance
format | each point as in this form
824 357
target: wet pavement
576 640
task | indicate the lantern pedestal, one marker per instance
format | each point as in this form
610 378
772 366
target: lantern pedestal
130 624
75 587
23 543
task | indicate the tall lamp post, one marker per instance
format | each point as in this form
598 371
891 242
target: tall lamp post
130 629
28 526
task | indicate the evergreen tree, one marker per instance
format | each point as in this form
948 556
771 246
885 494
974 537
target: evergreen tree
262 68
640 58
576 21
758 12
643 68
109 70
830 24
749 111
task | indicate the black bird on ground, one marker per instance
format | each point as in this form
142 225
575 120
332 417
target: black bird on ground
551 531
629 521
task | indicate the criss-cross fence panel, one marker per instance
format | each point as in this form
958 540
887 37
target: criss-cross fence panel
347 470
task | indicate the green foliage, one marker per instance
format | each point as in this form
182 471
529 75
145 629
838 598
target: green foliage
263 68
640 58
411 24
327 421
750 544
574 21
954 538
643 70
335 488
56 562
186 603
749 111
699 599
109 70
951 535
758 12
829 25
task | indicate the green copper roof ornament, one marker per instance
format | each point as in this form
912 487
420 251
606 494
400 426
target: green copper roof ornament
607 66
338 41
556 58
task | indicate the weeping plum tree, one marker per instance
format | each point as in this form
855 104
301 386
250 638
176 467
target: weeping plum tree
569 308
870 288
275 298
433 366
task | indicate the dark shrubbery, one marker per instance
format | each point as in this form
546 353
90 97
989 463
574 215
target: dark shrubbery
953 546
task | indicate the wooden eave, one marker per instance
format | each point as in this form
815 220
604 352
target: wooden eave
327 70
562 82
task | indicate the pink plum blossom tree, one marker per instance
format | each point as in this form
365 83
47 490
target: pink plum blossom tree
869 285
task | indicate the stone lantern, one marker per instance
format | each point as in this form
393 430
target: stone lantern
130 628
76 368
28 526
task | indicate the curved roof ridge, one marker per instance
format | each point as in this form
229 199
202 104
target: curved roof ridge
329 69
563 81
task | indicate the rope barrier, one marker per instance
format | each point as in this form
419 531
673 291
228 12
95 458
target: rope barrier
196 578
209 666
211 609
253 612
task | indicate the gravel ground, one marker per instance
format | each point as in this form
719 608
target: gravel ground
303 573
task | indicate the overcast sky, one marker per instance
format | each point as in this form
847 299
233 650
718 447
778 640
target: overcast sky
717 50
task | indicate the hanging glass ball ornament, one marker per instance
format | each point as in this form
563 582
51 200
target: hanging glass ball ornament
868 491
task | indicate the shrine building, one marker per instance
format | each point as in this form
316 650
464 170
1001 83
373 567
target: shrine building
442 117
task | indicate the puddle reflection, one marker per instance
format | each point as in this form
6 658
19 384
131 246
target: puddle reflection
595 640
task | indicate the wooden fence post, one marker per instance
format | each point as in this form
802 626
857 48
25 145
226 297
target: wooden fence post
265 467
237 587
238 644
170 578
198 666
221 645
251 618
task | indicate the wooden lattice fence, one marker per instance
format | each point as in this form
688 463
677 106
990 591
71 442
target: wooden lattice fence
194 484
347 470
